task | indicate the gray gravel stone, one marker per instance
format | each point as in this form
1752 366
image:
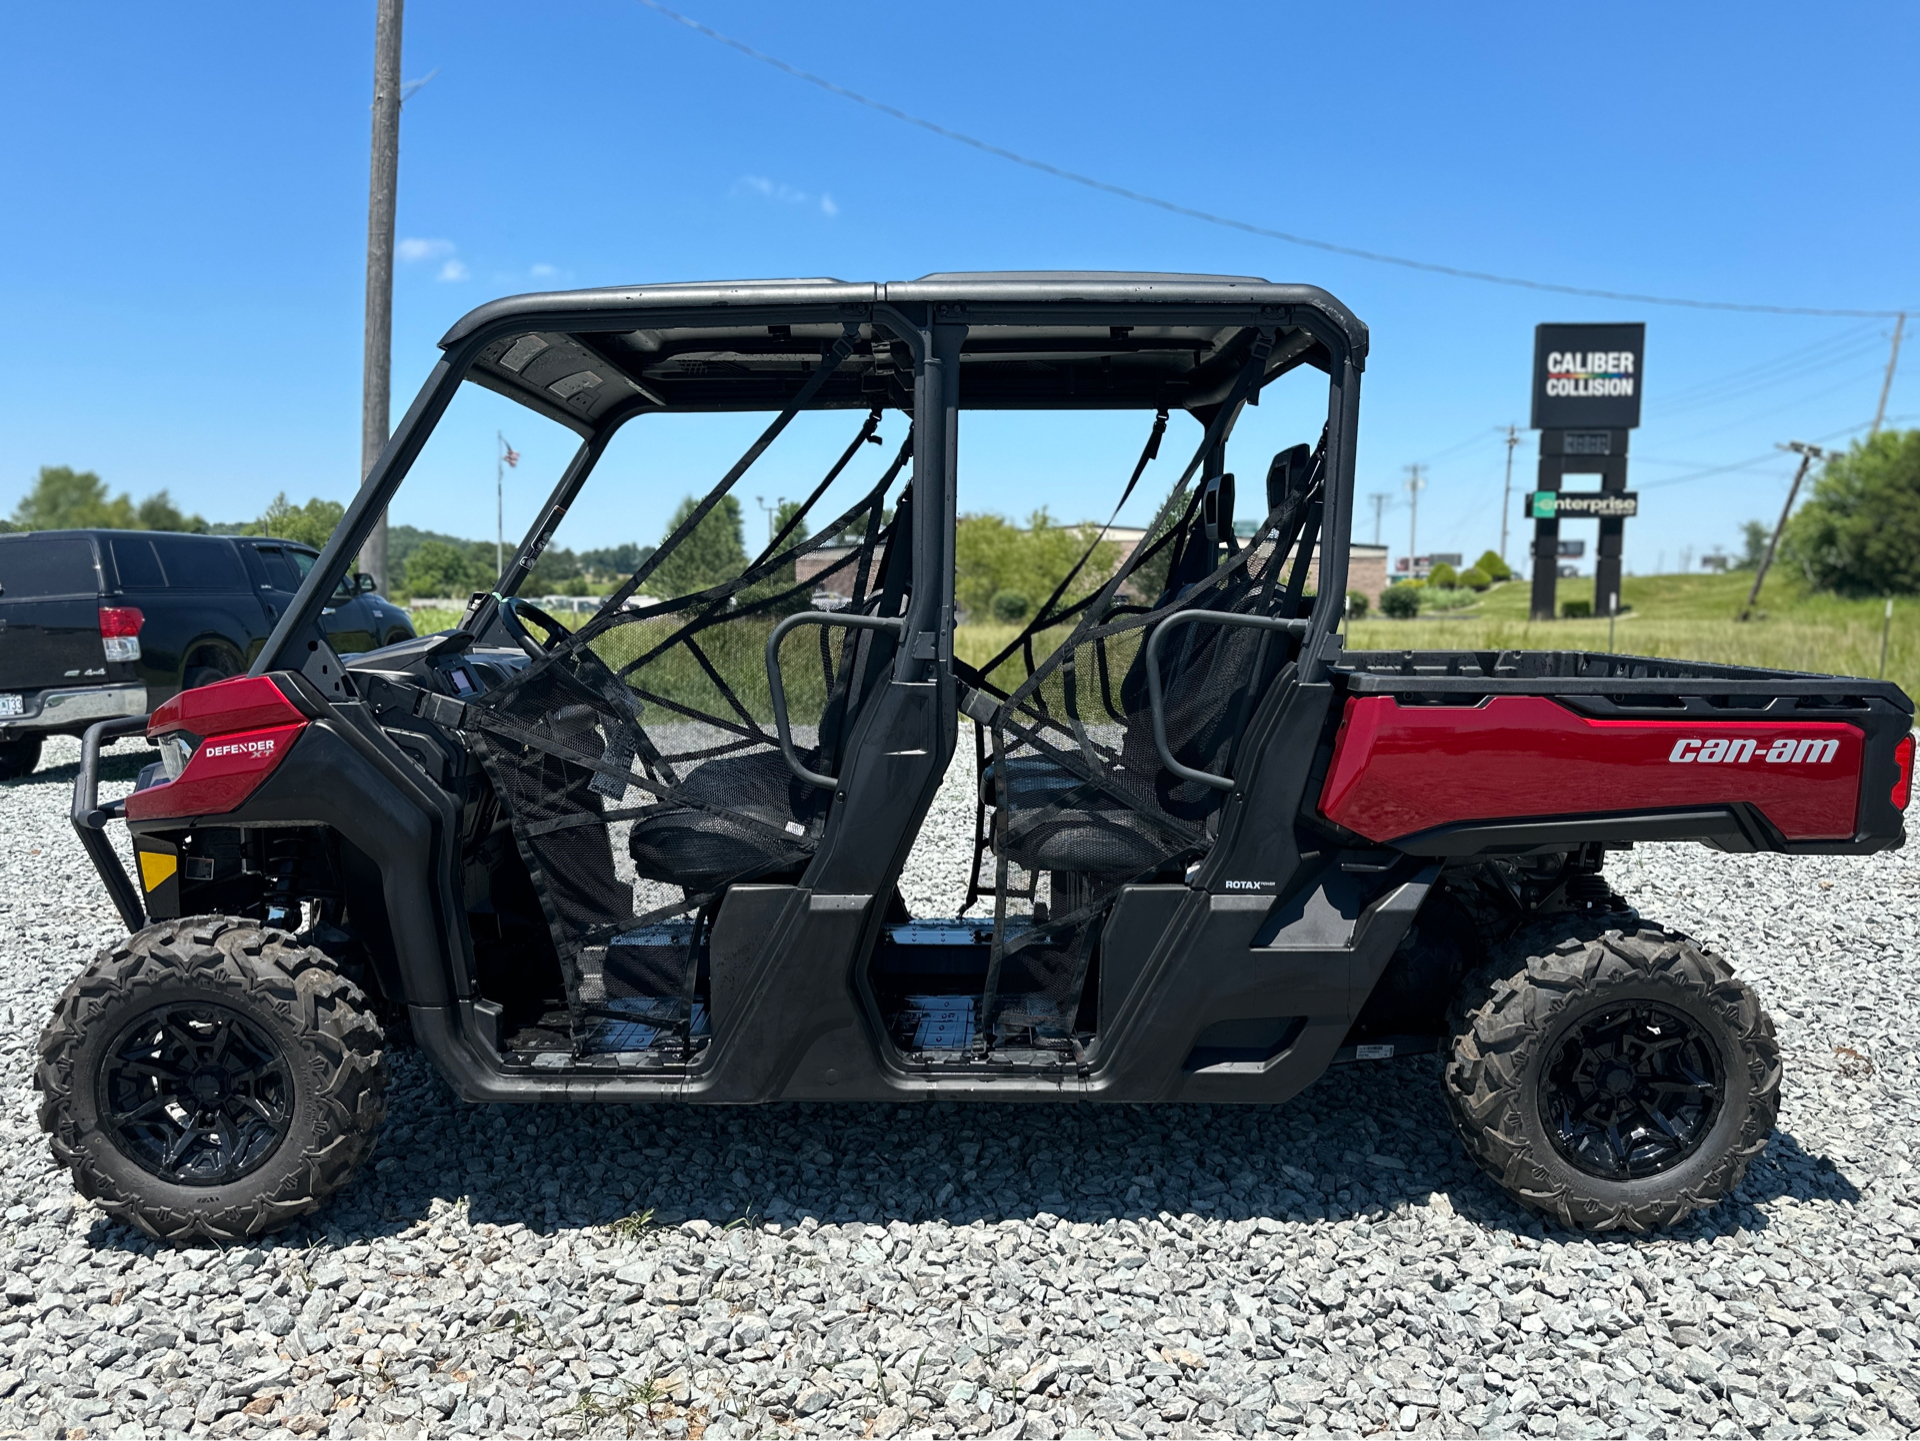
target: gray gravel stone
1333 1266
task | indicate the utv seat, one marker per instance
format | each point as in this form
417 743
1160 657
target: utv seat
703 850
1059 822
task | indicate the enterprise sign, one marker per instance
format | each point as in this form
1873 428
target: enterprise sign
1581 505
1587 376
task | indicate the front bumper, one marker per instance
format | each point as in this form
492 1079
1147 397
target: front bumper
74 710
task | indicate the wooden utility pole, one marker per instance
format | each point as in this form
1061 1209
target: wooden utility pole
376 396
1506 493
1808 454
1415 484
1887 384
1379 499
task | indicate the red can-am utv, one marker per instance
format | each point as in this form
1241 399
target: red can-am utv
656 854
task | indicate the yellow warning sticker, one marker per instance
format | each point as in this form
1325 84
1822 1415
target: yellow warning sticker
157 868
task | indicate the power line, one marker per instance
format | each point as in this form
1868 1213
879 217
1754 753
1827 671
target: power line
1228 222
1791 360
1766 455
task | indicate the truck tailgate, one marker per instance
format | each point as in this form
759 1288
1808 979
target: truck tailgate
49 613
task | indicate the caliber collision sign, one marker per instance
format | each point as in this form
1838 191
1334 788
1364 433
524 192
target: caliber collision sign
1587 377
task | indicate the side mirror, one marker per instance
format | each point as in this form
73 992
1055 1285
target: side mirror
363 584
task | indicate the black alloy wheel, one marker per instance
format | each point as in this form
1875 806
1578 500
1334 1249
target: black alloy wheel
1632 1092
196 1094
1611 1074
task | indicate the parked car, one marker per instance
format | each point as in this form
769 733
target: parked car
1213 853
102 623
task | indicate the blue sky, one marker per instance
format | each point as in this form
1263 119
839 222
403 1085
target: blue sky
183 278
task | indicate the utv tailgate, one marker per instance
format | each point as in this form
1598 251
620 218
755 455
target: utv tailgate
1462 753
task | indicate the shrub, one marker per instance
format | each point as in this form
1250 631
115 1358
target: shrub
1356 604
1474 578
1010 607
1450 597
1576 609
1496 568
1859 534
1443 575
1401 602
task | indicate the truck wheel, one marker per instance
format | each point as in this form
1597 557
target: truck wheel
1614 1078
18 758
211 1078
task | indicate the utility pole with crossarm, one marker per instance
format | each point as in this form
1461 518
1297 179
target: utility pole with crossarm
1808 455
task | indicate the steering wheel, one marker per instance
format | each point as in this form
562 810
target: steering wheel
515 612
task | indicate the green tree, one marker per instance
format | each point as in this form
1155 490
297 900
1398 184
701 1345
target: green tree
310 524
438 569
1494 567
1859 533
994 555
713 554
1474 578
1443 577
63 498
1753 545
158 512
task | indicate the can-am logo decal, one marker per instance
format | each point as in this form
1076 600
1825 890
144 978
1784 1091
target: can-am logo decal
1739 752
246 748
1590 372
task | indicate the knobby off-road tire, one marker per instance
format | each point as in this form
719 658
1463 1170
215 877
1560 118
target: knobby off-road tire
229 1034
1583 1022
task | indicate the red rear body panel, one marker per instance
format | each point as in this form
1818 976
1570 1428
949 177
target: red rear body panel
1398 770
245 727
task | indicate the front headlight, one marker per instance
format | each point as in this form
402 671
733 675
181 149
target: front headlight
176 749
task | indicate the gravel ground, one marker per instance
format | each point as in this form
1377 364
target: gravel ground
1332 1265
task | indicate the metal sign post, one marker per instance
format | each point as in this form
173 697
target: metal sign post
1586 401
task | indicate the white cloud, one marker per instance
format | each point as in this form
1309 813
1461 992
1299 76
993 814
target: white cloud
453 270
413 248
542 271
782 193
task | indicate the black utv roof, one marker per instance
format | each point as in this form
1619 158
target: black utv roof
1092 340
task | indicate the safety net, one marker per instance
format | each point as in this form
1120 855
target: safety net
1073 786
641 746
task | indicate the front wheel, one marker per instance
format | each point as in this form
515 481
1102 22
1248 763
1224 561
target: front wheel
211 1078
18 758
1616 1078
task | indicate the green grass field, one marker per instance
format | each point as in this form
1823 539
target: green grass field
1681 617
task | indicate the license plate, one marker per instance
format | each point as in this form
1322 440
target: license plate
11 704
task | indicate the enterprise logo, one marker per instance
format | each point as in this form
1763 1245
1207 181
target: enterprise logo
1786 750
246 748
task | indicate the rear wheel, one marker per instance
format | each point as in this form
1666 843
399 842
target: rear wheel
1615 1078
211 1078
18 758
209 666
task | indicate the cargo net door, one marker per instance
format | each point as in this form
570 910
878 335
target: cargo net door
639 762
1073 790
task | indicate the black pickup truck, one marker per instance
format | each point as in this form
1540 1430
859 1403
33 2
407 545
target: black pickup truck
102 623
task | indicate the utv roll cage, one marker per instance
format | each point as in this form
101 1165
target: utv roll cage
594 360
1094 773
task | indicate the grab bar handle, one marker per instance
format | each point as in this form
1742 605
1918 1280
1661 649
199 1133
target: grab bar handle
1156 700
779 690
90 817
